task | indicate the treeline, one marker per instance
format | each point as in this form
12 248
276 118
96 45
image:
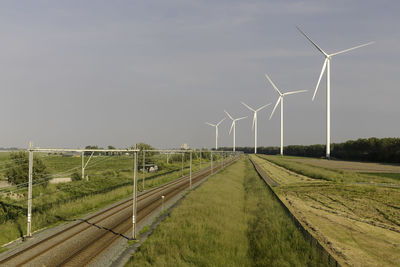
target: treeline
369 149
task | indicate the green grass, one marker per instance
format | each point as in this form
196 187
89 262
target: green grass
58 213
109 181
231 220
395 176
327 174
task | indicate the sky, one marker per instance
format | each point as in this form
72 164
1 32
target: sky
77 73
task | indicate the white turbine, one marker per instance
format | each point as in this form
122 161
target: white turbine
280 99
233 126
254 127
327 66
216 131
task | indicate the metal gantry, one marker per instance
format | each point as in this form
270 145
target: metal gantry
135 152
31 150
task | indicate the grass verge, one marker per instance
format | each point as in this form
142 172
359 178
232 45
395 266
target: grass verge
231 220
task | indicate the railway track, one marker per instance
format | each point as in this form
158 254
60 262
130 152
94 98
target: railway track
81 242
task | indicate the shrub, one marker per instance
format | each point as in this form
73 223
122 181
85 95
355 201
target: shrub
18 170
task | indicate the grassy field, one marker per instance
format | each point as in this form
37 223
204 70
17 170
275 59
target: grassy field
352 166
231 220
110 180
331 171
395 176
359 223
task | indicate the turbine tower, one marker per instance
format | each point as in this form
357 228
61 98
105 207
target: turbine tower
216 131
233 126
327 66
280 99
254 127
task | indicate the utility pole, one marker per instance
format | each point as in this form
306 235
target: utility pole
212 163
190 170
200 158
29 229
83 164
182 163
144 166
134 194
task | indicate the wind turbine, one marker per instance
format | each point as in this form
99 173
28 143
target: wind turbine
216 131
234 128
280 99
254 127
327 66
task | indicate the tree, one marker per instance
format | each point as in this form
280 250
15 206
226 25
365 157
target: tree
111 153
143 146
91 147
18 170
76 177
149 156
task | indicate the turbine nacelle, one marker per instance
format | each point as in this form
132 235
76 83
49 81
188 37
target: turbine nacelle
281 96
233 120
327 56
216 130
255 112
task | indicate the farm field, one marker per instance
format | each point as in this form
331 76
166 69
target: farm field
110 180
352 166
324 170
231 220
358 222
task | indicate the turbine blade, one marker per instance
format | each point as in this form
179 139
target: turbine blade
273 85
320 77
240 118
220 122
247 106
294 92
228 114
254 120
309 39
213 125
260 108
233 123
277 103
346 50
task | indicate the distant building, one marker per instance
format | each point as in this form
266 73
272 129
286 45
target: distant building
185 146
